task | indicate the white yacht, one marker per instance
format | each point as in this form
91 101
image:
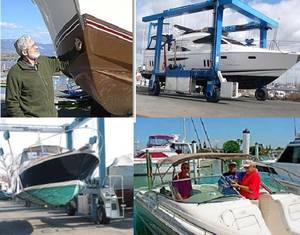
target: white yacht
287 166
251 67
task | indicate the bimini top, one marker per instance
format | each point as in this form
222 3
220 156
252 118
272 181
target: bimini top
181 158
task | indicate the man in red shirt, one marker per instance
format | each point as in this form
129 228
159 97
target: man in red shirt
249 187
182 183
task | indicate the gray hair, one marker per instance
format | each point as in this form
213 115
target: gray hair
22 44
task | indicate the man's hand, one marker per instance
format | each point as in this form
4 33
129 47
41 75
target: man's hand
235 185
78 44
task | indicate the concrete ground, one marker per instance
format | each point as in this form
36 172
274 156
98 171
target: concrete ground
175 105
15 219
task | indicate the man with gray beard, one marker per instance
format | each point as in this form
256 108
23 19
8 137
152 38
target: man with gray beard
29 86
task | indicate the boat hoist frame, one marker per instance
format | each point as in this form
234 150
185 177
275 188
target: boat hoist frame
213 74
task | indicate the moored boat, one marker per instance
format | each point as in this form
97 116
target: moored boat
210 209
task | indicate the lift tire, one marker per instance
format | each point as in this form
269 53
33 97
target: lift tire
156 89
101 215
261 94
204 90
216 97
71 209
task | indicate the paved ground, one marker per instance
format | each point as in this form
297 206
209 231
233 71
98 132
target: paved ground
15 219
174 105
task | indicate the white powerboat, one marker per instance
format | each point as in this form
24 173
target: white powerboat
252 68
287 166
158 147
104 67
210 210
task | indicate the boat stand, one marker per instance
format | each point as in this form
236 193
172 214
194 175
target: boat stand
177 78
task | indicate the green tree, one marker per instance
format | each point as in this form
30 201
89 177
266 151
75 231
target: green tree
231 146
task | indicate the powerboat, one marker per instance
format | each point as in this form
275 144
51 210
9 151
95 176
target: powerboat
50 175
104 67
212 210
287 166
120 177
252 68
158 147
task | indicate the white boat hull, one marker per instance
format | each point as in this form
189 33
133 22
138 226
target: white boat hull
250 67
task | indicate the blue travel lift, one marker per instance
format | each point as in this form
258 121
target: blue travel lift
99 201
213 75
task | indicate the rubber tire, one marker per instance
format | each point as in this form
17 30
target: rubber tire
261 94
101 215
204 88
156 89
216 97
70 209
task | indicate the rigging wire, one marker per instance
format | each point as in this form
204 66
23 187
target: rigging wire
206 134
196 132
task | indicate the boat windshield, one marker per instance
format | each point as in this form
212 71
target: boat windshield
290 155
159 140
181 148
218 188
152 43
273 186
34 152
206 189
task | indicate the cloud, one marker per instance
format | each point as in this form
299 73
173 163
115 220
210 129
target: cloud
6 25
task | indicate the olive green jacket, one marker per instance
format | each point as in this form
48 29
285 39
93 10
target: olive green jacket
29 89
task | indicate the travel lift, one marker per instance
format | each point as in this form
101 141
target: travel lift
99 200
180 79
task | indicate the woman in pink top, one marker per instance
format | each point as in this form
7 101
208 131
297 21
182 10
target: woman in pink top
182 183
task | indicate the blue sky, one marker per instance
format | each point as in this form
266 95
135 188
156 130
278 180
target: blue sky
268 131
20 17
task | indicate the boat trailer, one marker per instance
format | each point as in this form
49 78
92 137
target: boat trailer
181 80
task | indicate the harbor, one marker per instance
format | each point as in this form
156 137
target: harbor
208 159
66 185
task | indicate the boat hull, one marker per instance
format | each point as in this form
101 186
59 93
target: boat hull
60 168
163 215
104 67
56 179
250 69
52 194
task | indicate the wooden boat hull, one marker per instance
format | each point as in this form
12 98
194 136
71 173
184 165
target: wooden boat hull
104 66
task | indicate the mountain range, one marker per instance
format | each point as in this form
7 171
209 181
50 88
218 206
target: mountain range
7 47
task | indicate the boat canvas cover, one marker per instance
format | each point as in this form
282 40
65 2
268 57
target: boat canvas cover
181 158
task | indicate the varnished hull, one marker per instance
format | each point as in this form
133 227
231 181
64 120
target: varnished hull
104 67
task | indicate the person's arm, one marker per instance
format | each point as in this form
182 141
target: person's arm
242 187
63 62
12 97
